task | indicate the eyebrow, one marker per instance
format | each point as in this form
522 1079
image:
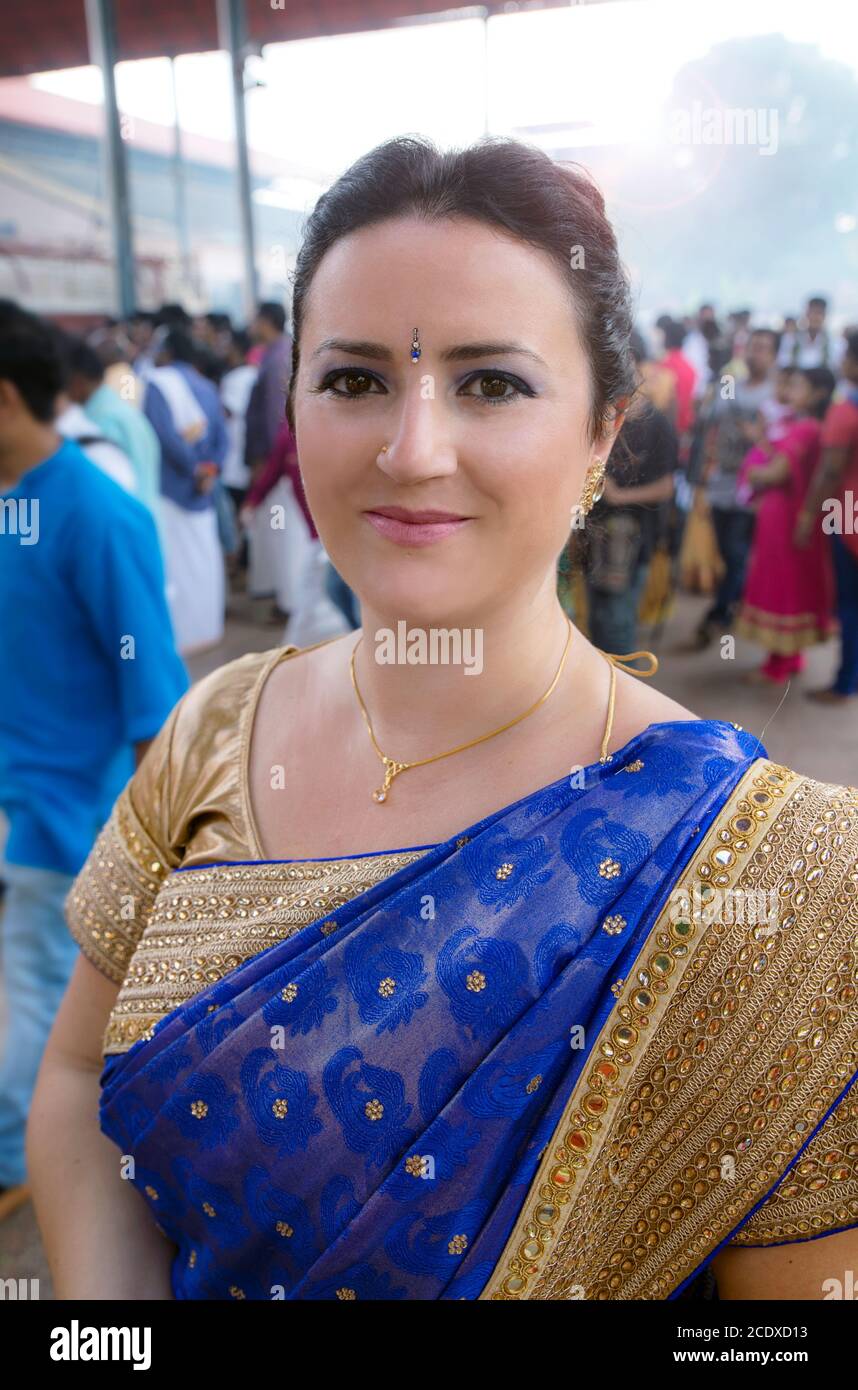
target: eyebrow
465 352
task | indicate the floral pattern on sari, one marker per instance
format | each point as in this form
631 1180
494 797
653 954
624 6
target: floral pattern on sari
365 1105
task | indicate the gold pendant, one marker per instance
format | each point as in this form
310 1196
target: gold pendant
391 770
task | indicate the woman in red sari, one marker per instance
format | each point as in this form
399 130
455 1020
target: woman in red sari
789 594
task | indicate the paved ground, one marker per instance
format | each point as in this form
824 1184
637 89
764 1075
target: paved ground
812 739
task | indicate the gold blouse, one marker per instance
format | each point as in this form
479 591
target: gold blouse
162 935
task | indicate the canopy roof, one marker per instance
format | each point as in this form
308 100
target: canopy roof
52 34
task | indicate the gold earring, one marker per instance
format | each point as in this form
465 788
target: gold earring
385 449
594 485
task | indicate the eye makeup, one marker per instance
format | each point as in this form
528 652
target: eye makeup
326 385
518 388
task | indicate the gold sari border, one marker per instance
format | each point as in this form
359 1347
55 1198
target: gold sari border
659 975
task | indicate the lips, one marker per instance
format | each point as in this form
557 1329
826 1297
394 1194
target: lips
416 518
414 529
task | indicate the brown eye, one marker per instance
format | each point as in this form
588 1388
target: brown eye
493 386
357 383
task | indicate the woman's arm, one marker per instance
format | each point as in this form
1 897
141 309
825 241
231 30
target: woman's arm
800 1270
767 475
824 483
98 1233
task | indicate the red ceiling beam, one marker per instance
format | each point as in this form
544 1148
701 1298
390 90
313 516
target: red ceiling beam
52 34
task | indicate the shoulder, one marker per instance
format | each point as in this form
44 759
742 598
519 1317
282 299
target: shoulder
218 699
292 687
201 386
841 422
229 697
659 425
119 416
195 763
639 704
103 508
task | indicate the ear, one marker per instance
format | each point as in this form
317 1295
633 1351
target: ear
10 396
613 426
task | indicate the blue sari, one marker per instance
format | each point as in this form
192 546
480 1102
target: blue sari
365 1109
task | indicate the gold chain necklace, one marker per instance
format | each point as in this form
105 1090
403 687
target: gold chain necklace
392 767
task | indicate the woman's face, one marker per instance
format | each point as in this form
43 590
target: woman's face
801 393
783 388
489 425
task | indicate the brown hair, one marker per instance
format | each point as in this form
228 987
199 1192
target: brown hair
508 185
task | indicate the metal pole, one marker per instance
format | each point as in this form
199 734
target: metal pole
232 36
101 34
180 190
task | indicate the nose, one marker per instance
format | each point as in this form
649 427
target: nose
421 446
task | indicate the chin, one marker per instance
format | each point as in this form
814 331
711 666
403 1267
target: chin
423 596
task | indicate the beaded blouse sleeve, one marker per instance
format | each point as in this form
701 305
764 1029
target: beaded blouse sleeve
185 805
110 900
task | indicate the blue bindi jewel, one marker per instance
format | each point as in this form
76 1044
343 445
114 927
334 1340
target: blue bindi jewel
415 347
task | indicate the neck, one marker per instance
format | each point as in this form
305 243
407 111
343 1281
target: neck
420 709
26 449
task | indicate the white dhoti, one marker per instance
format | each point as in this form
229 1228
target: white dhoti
315 617
279 545
263 543
196 590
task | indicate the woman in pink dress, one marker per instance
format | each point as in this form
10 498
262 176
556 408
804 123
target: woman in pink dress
789 594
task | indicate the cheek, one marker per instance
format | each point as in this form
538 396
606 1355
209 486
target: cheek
543 465
331 450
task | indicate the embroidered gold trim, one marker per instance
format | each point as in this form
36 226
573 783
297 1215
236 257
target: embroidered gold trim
727 1045
820 1193
114 891
204 923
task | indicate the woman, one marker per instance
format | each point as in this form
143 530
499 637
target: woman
628 524
187 416
789 593
454 1035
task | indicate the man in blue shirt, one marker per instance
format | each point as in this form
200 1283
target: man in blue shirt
88 674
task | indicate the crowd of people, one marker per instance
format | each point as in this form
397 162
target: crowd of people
148 466
210 399
144 468
735 474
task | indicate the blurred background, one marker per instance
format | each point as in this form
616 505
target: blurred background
325 80
158 162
